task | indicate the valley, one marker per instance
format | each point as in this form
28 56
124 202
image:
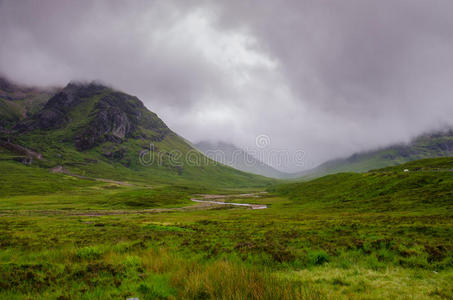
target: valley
226 150
98 200
382 234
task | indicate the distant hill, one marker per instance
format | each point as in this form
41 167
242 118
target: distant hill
92 130
237 158
438 144
422 185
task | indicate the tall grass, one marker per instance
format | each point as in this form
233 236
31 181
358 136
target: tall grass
87 273
224 279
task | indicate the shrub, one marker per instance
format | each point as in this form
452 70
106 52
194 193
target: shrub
318 257
90 252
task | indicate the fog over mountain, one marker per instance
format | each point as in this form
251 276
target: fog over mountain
325 77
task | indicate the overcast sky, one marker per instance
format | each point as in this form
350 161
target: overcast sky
326 77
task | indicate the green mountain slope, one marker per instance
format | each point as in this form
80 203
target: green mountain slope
420 185
95 131
439 144
232 156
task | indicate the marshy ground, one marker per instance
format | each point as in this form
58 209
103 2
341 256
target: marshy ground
378 235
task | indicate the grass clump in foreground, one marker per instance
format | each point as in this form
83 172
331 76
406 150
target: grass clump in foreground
379 235
144 273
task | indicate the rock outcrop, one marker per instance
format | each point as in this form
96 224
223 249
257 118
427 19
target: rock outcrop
108 116
55 112
116 117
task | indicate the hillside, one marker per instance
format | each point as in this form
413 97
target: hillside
437 144
95 131
230 155
419 185
17 101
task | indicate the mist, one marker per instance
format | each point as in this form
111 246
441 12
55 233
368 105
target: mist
328 78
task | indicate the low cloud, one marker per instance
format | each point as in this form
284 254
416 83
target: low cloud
323 76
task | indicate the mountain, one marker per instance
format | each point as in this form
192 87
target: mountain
232 156
19 101
92 130
432 145
437 144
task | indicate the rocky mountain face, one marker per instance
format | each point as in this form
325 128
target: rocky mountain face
111 116
118 116
55 113
95 131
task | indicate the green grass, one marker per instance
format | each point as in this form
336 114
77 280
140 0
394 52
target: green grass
433 164
164 170
386 190
379 235
93 163
17 180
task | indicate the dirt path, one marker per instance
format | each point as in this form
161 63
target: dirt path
62 170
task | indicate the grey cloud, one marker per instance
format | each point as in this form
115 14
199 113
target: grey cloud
353 50
56 41
329 77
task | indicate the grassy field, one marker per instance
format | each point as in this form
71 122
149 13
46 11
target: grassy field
378 235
